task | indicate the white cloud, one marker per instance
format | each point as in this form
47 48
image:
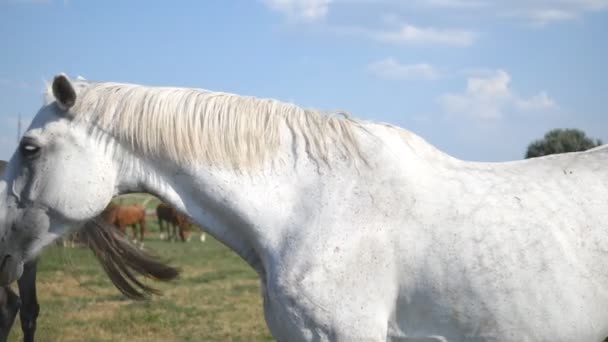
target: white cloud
409 34
392 21
405 34
542 17
397 32
541 101
543 12
391 69
535 12
304 10
454 3
490 96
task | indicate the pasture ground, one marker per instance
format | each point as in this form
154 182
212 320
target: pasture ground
217 298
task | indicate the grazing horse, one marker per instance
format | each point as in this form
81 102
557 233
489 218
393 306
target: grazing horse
123 216
359 231
174 223
108 247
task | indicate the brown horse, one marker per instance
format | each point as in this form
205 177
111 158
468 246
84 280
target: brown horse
123 216
174 222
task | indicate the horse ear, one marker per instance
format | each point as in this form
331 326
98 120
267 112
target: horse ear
64 92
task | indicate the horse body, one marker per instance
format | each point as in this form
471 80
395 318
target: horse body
123 216
438 247
429 247
504 252
359 231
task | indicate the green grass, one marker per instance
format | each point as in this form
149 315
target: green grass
217 298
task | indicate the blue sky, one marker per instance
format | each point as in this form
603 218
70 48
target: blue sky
479 79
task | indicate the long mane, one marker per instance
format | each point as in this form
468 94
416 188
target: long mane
194 125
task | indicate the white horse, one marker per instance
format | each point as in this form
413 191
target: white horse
358 230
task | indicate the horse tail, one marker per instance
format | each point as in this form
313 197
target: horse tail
123 262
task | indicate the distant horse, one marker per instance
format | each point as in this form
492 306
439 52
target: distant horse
111 250
123 216
174 223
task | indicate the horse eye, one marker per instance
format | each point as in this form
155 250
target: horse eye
29 150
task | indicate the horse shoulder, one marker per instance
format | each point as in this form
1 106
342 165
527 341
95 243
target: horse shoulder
315 287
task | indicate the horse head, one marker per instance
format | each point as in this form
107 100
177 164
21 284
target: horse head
58 178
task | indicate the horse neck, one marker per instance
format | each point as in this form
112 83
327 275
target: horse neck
259 213
246 212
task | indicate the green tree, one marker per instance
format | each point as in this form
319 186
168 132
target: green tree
561 141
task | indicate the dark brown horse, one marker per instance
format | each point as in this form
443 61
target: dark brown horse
121 261
174 223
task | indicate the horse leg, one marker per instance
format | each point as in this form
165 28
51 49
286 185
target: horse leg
134 231
181 232
160 229
189 233
142 232
30 308
173 232
9 305
142 229
123 229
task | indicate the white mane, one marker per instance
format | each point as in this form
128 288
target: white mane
188 125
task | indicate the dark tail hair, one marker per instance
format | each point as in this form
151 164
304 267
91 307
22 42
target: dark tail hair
122 261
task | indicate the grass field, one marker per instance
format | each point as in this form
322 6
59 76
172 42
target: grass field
217 298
